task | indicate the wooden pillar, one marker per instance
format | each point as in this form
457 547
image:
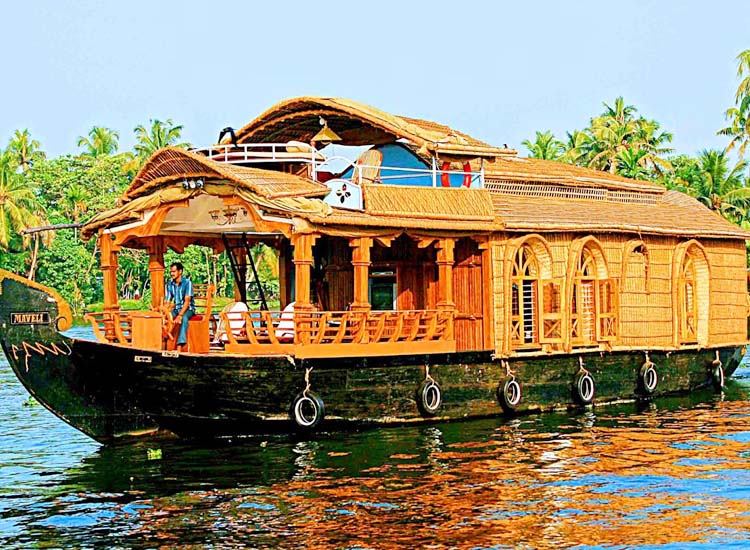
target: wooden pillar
109 270
361 262
445 262
303 262
156 270
240 282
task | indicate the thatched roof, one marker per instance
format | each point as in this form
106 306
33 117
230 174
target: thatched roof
359 124
172 165
520 194
674 214
537 170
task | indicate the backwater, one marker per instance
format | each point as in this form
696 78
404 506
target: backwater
670 474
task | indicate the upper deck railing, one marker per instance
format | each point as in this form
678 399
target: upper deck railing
321 168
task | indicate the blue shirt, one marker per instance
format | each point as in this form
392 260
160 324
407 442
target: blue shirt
176 293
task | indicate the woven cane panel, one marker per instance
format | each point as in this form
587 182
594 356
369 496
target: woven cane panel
550 190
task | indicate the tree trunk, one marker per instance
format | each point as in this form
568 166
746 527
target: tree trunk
34 254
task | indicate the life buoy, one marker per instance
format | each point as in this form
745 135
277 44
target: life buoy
445 177
584 388
429 397
717 375
467 175
648 379
509 394
308 410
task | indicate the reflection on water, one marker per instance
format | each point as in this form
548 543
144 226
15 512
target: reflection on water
673 475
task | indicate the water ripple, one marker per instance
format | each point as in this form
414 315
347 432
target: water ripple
672 475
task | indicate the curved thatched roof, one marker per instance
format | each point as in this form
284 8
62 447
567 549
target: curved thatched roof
171 165
359 124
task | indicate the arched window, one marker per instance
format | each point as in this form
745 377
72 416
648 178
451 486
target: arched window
688 301
593 306
524 298
534 304
583 310
692 294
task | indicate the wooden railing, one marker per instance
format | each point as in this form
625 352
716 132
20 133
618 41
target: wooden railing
338 327
113 327
310 334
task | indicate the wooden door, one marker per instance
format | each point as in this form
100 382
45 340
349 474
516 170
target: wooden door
469 294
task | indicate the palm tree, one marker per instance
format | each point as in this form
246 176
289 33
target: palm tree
743 70
17 202
739 127
603 144
101 142
739 115
652 142
720 188
75 198
24 150
579 148
630 163
159 135
545 146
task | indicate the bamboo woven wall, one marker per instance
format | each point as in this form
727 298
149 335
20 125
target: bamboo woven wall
728 291
646 292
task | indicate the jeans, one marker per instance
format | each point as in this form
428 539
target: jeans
182 337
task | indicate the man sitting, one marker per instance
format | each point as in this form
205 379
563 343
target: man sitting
179 295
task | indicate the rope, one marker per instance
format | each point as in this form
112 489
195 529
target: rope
717 361
581 367
648 361
308 370
427 377
508 371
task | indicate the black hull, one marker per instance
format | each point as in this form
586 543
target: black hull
111 391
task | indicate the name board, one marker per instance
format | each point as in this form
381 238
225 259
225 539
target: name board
30 318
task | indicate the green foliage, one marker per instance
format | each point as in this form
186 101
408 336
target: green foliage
24 150
545 146
101 142
739 115
720 188
70 267
19 207
622 143
72 187
148 141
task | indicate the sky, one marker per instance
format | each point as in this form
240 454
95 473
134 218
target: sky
498 71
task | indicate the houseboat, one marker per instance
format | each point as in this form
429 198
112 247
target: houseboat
435 277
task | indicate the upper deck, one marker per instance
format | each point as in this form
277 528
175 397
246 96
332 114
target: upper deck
389 164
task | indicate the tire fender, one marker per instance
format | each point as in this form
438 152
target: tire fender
509 394
584 388
648 378
307 410
429 397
